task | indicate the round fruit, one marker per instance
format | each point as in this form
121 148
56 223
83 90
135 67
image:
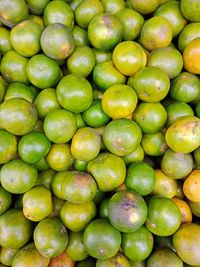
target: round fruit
190 9
57 41
119 101
80 36
101 239
5 44
59 126
185 210
185 242
122 136
8 146
18 116
129 57
138 245
113 6
15 229
5 200
183 136
135 156
145 6
17 176
127 211
50 237
74 93
191 186
154 144
105 31
62 260
164 217
140 178
86 144
191 55
151 84
7 255
119 258
19 90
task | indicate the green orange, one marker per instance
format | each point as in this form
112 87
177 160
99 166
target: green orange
8 146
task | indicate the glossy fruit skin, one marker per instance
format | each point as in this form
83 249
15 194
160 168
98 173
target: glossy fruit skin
183 136
105 75
119 101
78 187
51 44
108 170
58 12
81 61
138 245
25 38
24 119
172 11
101 239
119 258
151 84
33 147
77 216
7 255
185 210
154 144
150 36
122 136
74 93
185 87
164 217
185 240
14 226
5 44
86 11
37 203
19 90
145 7
191 10
2 88
16 72
114 6
8 146
86 144
59 157
105 31
176 165
59 126
62 260
25 176
50 237
191 56
29 256
127 211
129 57
164 257
42 71
140 178
75 248
5 200
132 23
191 186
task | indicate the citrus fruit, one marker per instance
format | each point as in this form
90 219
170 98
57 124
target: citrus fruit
105 31
151 117
164 217
37 6
59 125
19 90
33 146
25 38
136 156
77 216
185 240
80 36
59 157
190 9
122 136
50 237
74 93
57 41
140 178
119 258
58 12
113 6
7 255
61 260
108 170
17 176
101 239
18 116
150 36
5 44
81 61
5 200
185 210
127 211
154 144
86 11
145 7
138 245
191 186
8 146
183 136
37 203
191 56
102 56
15 229
151 84
75 248
129 57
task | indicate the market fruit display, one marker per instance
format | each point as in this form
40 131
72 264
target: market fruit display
99 133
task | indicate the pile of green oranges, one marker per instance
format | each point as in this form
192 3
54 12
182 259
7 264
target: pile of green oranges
99 133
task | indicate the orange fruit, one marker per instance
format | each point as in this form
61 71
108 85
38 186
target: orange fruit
62 260
191 56
191 9
185 210
191 186
145 6
113 6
